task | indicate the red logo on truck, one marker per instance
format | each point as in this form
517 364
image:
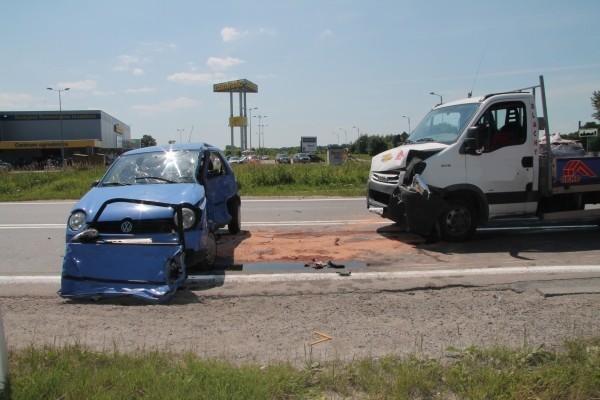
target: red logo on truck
574 170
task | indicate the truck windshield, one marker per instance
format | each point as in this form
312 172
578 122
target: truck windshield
443 124
153 168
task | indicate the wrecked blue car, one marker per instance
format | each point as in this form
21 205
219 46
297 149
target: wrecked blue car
151 217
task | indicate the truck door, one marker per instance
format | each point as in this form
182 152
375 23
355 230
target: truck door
503 170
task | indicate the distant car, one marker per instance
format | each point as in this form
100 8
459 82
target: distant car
315 158
154 214
300 158
237 160
4 166
282 159
264 158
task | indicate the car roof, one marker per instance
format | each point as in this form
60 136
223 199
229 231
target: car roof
174 147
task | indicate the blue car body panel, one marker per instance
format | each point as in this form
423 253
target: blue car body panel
150 273
147 260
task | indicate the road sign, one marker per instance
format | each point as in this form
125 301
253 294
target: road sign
590 132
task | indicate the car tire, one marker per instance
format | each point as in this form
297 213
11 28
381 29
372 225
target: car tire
235 210
458 222
210 257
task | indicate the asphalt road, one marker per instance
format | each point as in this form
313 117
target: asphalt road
32 236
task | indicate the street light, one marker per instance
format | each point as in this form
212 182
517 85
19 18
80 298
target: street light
435 94
259 119
358 129
345 134
338 136
404 116
250 112
62 142
180 130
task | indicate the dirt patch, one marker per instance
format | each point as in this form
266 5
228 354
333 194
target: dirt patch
366 246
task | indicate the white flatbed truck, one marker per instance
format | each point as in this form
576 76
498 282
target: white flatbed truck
479 159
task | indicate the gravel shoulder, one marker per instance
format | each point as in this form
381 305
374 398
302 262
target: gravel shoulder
261 322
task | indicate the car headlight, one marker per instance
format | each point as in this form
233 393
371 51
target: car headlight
189 218
77 220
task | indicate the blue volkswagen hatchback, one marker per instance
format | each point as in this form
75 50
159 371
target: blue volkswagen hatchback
152 216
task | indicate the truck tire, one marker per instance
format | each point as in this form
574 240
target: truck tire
458 222
234 208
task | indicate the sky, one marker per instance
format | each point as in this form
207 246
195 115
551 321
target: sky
334 69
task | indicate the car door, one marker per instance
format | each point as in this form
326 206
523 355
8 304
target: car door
220 185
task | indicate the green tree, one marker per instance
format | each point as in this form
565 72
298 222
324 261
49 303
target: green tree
148 141
596 104
376 145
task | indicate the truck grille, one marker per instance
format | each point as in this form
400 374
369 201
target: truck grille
388 177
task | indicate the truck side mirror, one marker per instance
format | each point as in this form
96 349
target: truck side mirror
471 144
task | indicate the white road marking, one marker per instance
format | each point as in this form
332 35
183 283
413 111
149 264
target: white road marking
249 223
301 276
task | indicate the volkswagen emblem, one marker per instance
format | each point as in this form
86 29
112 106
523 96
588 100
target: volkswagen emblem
126 226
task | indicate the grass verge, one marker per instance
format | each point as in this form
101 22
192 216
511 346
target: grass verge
255 180
571 372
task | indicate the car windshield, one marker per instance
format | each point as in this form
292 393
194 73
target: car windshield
443 124
156 167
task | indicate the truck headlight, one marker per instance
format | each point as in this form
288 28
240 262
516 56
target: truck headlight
77 220
189 218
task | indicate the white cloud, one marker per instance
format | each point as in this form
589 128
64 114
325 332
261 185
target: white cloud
167 106
140 90
138 71
103 94
229 34
218 63
326 33
87 84
125 61
14 100
190 78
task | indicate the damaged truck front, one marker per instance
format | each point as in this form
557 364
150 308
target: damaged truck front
152 216
478 159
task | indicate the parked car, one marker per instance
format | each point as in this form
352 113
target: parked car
315 158
237 160
300 158
4 166
282 159
154 214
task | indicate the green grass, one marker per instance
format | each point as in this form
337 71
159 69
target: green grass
349 179
571 372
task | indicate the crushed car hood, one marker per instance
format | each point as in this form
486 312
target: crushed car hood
190 193
396 157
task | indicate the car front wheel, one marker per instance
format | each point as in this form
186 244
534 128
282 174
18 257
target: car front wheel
210 257
235 210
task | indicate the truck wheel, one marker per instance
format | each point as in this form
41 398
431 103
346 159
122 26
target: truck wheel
235 210
458 222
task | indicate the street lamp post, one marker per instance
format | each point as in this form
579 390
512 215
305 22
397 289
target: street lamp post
62 142
180 130
435 94
260 117
404 116
345 135
358 129
250 112
338 136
